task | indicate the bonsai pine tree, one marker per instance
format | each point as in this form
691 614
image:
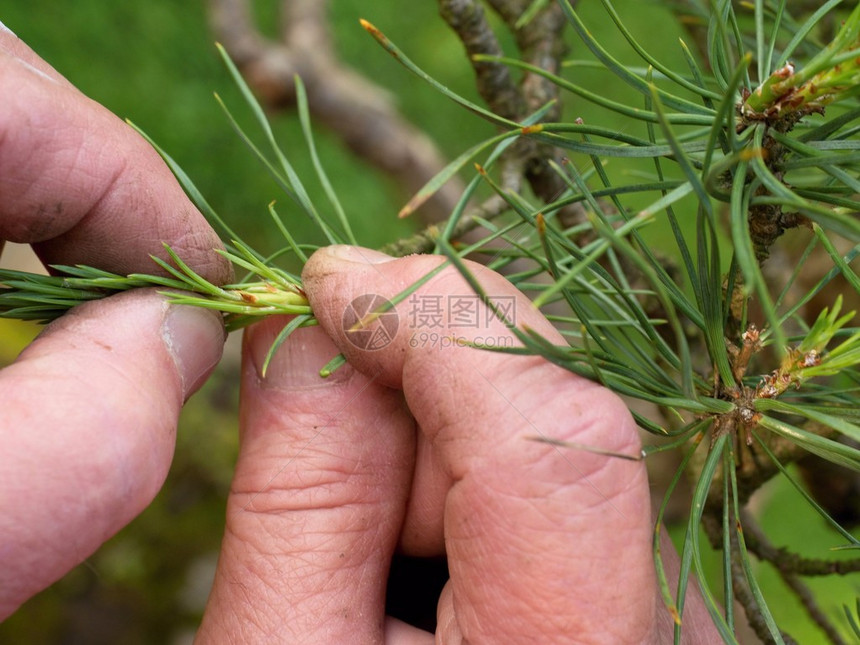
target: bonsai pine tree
665 277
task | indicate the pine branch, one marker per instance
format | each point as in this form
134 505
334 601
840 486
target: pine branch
540 43
719 166
742 592
792 563
790 567
43 298
493 80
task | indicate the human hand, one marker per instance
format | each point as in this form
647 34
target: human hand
544 544
90 407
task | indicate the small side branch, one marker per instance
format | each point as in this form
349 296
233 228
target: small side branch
540 43
494 81
740 586
789 565
787 562
424 241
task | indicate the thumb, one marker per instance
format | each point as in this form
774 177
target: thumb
87 429
317 499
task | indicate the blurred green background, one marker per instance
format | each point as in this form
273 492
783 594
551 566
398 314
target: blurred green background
155 64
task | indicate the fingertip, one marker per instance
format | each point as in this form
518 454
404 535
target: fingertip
347 287
73 186
354 254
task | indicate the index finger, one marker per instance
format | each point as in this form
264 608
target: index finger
81 185
537 537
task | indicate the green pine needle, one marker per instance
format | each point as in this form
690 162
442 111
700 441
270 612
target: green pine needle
657 282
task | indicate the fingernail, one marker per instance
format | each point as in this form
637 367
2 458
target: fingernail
194 337
6 29
358 254
297 362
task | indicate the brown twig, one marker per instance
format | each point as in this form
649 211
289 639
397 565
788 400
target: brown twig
752 611
789 565
357 110
788 562
493 80
424 241
811 606
540 43
740 585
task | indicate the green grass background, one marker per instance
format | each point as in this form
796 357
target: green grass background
154 62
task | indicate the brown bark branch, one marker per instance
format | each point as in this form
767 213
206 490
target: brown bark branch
788 566
787 562
740 585
493 80
425 241
540 43
357 110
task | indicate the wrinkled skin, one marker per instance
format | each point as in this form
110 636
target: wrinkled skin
89 408
419 449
